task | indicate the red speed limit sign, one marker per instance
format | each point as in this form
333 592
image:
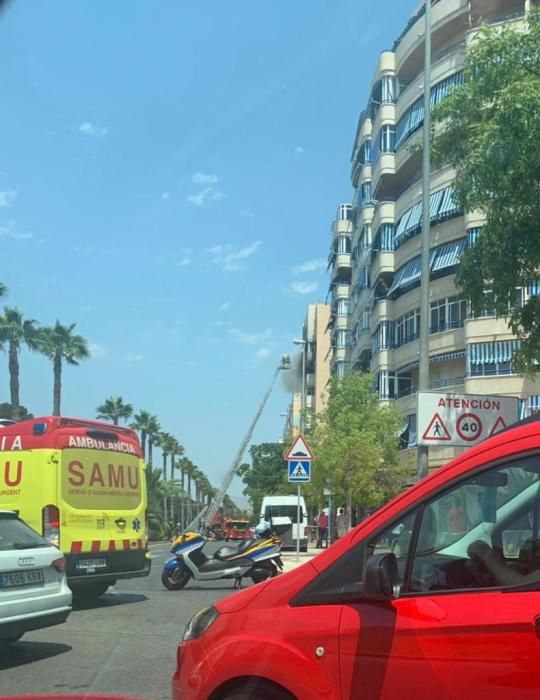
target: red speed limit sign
469 427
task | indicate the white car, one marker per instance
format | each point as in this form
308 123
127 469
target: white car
33 588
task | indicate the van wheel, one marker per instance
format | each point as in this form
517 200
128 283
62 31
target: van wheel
88 592
175 579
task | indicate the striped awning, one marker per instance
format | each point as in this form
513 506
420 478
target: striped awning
447 356
448 255
406 276
494 352
533 288
473 234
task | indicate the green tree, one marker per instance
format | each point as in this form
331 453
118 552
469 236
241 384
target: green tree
59 343
266 475
153 430
165 441
3 290
148 426
114 409
356 445
15 331
489 130
6 411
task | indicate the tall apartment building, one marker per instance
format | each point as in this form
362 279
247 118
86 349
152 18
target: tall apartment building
469 355
340 268
315 364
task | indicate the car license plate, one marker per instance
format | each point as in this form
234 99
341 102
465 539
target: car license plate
14 579
91 565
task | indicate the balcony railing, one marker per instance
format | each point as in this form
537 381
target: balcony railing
449 381
406 391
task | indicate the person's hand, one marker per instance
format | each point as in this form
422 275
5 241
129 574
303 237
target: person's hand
479 549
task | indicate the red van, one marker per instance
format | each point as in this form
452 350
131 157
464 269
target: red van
448 609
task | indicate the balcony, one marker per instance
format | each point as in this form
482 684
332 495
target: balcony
341 291
341 323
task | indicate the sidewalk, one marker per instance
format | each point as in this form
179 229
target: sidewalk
290 561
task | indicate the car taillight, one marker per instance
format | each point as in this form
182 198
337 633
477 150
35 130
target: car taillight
50 517
59 565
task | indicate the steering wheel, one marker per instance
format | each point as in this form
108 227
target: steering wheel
478 570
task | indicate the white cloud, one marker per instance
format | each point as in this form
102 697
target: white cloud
304 287
165 195
199 199
11 230
210 192
309 266
229 258
133 357
93 130
200 178
97 351
7 197
251 338
226 306
299 149
263 353
184 261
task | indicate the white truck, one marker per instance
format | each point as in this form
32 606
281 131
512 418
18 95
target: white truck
283 510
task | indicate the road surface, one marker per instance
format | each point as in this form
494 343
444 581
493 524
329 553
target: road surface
123 643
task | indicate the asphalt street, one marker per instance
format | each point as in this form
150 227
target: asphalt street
123 643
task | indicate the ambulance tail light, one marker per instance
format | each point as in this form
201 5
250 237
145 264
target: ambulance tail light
50 518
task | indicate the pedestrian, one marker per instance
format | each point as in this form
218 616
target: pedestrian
341 523
322 530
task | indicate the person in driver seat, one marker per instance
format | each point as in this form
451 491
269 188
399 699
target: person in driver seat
503 574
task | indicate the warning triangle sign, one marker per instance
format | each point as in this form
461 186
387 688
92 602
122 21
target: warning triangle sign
499 425
436 430
299 472
299 449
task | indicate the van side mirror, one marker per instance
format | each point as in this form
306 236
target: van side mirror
381 577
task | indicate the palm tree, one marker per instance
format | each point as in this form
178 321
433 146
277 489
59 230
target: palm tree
114 409
3 290
59 343
166 442
15 330
176 449
142 421
152 432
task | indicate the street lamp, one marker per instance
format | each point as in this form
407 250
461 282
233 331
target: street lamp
303 343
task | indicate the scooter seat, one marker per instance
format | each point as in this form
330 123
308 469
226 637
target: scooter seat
226 551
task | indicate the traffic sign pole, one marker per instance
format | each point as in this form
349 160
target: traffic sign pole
298 524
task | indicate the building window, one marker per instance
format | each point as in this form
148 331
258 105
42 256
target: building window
342 339
472 235
342 244
363 278
386 384
492 358
364 242
384 239
366 319
447 314
407 327
388 89
343 307
413 118
365 193
340 368
364 153
383 338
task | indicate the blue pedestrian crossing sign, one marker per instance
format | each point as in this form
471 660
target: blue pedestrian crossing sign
299 471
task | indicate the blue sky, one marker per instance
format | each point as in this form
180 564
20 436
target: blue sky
168 174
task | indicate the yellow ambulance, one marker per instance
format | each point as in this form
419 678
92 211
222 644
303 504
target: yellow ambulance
81 484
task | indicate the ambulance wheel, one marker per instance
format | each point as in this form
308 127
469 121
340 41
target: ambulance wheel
175 579
87 592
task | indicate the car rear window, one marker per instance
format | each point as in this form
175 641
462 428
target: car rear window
14 534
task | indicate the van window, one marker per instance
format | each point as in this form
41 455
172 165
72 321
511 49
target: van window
282 511
499 507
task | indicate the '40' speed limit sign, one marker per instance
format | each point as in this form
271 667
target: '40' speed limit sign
469 427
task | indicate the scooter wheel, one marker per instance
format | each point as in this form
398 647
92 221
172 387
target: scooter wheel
175 579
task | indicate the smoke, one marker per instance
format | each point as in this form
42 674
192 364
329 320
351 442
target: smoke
292 378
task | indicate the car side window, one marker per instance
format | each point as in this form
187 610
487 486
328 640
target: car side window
495 510
397 539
